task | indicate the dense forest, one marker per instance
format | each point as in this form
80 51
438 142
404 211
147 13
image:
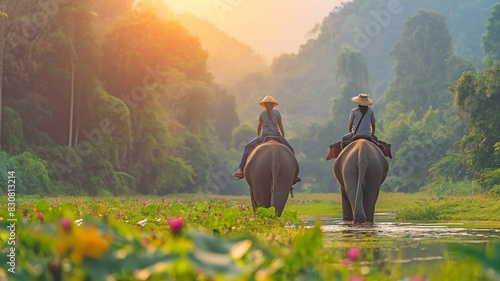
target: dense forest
124 97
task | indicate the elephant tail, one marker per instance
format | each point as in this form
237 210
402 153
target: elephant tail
359 211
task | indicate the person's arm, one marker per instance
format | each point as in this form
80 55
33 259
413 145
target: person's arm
351 120
259 127
281 127
373 122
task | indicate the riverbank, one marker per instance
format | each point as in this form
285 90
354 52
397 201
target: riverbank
186 229
404 206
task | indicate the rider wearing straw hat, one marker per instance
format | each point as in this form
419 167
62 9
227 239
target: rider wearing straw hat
362 119
269 122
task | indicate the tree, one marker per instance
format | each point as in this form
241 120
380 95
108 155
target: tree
352 66
420 69
139 47
477 96
159 71
3 23
491 39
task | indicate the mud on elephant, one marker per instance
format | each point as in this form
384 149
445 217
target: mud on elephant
270 171
360 169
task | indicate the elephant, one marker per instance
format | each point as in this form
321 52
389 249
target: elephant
360 169
270 172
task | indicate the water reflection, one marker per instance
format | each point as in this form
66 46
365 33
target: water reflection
406 243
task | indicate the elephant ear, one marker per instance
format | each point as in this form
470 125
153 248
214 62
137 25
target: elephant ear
386 149
335 149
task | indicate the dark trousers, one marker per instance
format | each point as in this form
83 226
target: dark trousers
349 136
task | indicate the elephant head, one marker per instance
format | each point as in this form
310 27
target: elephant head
270 171
360 169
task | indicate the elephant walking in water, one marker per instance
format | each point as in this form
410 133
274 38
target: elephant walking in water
270 172
360 169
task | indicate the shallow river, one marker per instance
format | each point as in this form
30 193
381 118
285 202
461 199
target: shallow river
410 243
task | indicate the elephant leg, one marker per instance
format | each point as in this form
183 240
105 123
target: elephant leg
346 206
281 191
370 199
262 186
259 193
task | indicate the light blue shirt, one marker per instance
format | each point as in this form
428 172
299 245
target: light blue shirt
268 128
365 128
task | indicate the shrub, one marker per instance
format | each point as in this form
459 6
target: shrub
32 176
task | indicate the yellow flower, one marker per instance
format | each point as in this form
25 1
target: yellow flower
88 243
85 242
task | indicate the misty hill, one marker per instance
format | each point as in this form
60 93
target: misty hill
306 82
229 59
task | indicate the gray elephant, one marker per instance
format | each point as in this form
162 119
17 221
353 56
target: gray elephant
270 172
360 169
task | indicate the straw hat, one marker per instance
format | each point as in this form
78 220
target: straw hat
268 99
362 99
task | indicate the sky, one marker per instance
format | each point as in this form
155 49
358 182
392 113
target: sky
270 27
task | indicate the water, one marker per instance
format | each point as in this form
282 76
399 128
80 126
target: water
408 243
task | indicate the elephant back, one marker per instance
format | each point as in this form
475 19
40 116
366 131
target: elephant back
363 147
272 151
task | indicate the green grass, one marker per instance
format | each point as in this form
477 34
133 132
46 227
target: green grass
407 207
282 252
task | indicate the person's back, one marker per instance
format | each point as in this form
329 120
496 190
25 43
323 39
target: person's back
362 119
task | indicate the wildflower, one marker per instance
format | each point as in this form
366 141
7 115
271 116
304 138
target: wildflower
353 253
66 224
89 244
346 262
175 225
79 222
57 199
163 199
142 223
39 215
144 241
356 278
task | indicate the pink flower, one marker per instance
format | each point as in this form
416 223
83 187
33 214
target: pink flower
353 253
163 199
417 278
144 241
175 225
57 199
346 262
39 215
66 224
356 278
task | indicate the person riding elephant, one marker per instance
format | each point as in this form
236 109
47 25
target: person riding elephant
362 125
360 169
270 172
362 119
269 121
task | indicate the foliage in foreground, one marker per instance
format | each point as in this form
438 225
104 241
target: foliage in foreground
93 239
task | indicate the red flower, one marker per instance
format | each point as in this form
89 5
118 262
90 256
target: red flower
39 215
66 224
175 225
353 253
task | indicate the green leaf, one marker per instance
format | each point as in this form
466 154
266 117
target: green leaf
213 254
266 212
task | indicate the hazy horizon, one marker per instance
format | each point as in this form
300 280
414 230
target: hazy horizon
271 28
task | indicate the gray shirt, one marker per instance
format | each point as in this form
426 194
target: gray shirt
365 126
268 128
